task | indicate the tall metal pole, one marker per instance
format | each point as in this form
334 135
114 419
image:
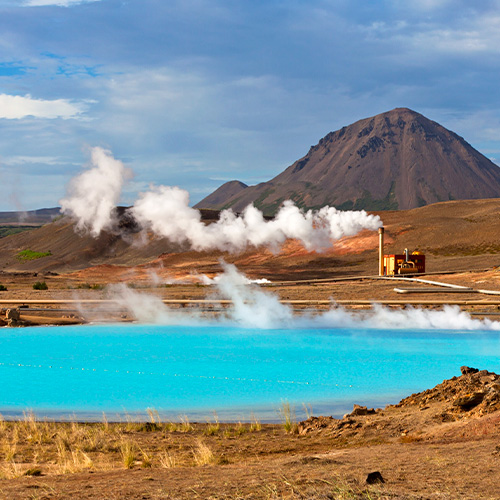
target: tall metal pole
381 251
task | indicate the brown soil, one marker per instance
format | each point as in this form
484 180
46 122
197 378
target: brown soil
334 291
427 446
456 235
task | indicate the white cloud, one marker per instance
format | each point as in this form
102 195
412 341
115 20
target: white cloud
16 107
60 3
46 160
424 4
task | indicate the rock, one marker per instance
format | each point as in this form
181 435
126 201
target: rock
361 410
346 422
485 379
13 314
468 401
467 370
314 423
374 478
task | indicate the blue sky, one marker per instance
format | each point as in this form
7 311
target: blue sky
193 93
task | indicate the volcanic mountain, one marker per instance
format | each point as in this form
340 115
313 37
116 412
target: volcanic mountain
393 161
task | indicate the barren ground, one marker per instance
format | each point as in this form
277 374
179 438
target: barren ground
424 448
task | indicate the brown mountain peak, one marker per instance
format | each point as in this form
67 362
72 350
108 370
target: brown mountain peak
395 160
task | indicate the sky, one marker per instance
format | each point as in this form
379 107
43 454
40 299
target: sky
194 93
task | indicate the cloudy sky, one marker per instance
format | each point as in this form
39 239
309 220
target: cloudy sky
193 93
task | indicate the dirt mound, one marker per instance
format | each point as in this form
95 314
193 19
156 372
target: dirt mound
475 392
453 407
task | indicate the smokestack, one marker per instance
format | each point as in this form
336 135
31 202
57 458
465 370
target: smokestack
381 251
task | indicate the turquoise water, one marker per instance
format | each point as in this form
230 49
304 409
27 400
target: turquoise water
181 370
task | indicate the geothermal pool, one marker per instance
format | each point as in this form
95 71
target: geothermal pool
236 372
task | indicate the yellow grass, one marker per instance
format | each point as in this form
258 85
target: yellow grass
203 455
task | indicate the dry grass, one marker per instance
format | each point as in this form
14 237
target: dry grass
213 428
184 426
255 425
259 457
71 447
287 416
128 454
147 459
203 455
167 460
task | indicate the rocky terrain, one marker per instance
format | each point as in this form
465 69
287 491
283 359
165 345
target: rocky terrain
454 235
443 443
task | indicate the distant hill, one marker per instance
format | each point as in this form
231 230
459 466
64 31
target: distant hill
393 161
453 235
18 222
30 217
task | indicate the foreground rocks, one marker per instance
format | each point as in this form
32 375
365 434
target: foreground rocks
475 393
428 446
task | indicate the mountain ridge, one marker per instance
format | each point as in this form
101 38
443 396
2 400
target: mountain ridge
392 161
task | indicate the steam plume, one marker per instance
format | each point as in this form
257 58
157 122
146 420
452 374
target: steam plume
253 307
166 211
94 194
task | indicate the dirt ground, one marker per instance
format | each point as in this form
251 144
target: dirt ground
439 444
428 447
343 291
424 448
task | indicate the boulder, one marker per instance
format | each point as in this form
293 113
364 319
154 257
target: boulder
13 314
467 370
361 410
469 401
374 478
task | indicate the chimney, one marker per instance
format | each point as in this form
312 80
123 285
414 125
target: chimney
381 251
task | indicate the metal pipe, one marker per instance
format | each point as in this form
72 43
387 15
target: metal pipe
381 251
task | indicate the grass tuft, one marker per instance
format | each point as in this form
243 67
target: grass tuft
185 426
287 416
203 455
213 428
240 429
255 425
127 450
147 460
167 460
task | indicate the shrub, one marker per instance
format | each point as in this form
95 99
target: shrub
40 285
28 254
3 288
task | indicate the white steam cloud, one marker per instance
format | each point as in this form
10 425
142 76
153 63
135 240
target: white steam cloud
94 194
253 307
166 211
